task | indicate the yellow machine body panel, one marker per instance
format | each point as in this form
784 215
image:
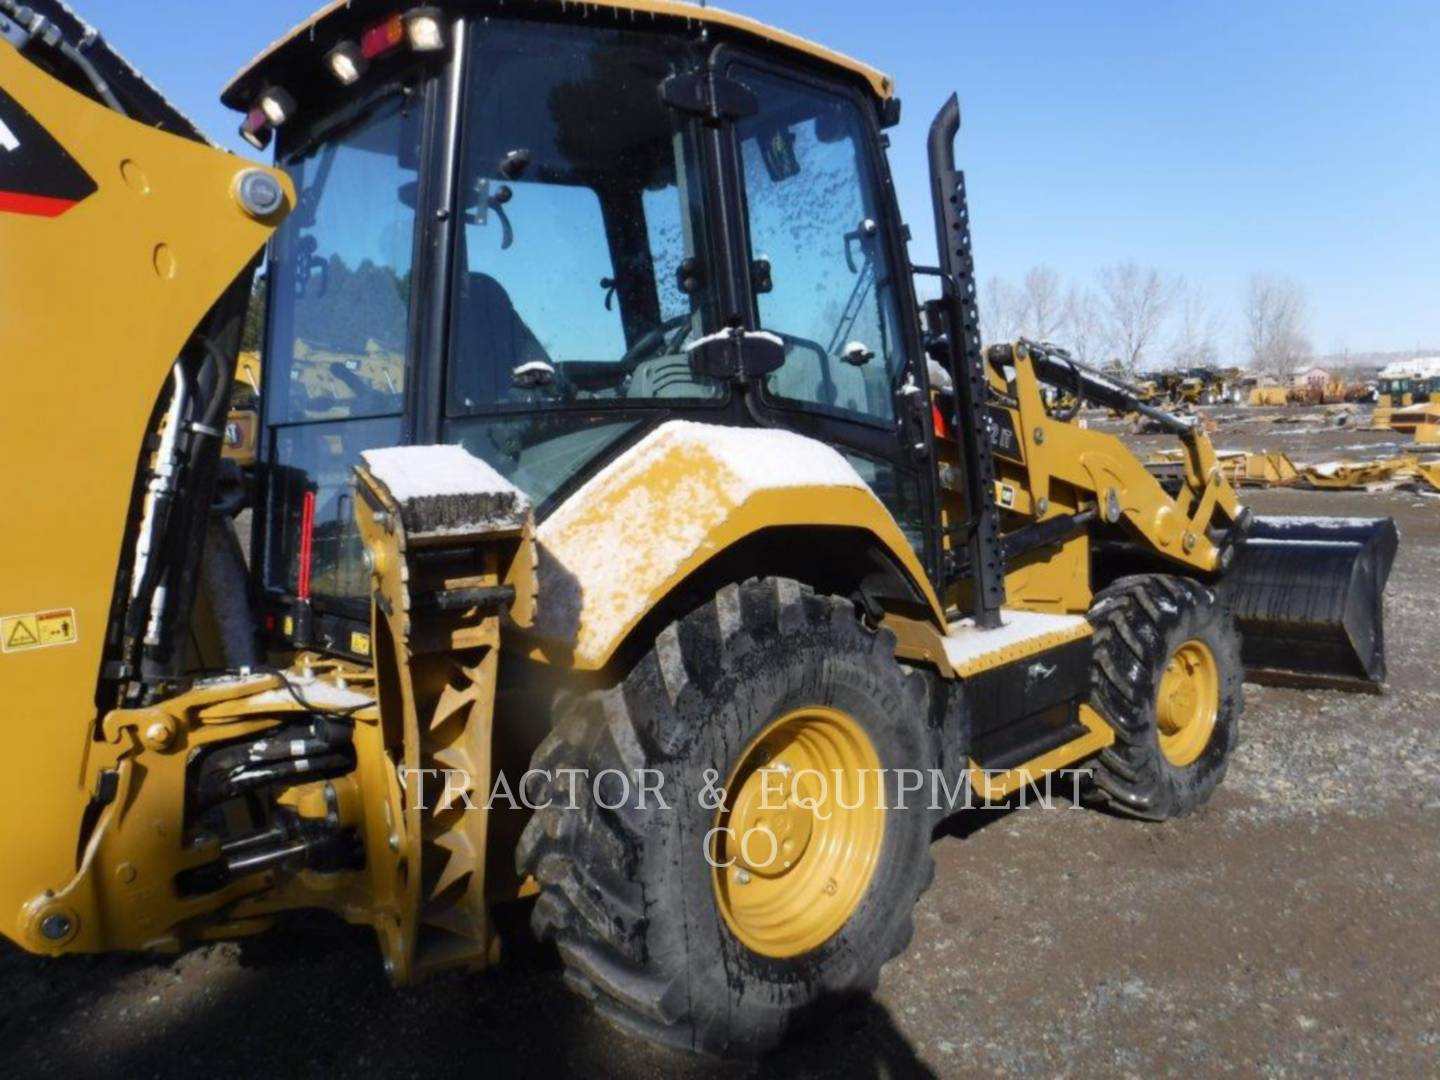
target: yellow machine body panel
619 545
136 264
184 806
237 92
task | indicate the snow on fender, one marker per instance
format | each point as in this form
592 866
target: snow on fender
678 497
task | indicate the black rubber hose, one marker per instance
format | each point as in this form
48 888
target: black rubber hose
47 33
212 383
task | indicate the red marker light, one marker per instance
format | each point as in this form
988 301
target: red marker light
939 418
255 129
307 538
383 37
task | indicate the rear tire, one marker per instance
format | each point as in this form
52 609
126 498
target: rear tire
1155 636
629 895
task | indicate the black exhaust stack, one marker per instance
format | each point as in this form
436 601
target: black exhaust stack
953 323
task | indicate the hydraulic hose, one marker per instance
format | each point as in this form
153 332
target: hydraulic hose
47 33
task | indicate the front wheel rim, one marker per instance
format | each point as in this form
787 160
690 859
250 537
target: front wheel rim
1188 702
799 834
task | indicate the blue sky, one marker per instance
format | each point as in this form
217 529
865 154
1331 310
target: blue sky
1210 139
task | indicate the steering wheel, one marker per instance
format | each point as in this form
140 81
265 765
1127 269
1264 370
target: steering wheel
655 337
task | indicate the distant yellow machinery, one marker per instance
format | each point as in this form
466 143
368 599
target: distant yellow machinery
1376 473
627 540
1405 383
1268 396
1275 469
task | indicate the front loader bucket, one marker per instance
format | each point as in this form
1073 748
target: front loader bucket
1306 592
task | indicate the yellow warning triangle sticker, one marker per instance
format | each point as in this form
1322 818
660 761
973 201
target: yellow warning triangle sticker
21 636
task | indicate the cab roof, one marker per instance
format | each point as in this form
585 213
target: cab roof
317 30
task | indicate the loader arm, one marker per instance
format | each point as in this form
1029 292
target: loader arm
1041 513
1195 528
1082 509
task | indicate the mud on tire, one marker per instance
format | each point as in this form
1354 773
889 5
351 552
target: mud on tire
627 894
1139 623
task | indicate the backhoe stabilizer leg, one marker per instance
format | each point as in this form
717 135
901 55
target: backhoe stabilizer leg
451 548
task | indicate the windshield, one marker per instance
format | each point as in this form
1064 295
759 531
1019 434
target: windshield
581 273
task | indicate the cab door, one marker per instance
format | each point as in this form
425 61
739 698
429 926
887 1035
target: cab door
829 276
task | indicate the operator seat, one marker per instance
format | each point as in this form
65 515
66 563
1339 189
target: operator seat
490 341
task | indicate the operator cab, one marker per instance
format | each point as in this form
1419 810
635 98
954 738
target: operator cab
524 236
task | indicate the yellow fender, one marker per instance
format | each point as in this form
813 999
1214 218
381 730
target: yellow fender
682 495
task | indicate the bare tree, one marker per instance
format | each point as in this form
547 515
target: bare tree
1275 325
1043 310
1197 333
1002 311
1081 330
1135 301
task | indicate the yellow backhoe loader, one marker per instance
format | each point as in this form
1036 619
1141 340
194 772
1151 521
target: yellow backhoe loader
626 539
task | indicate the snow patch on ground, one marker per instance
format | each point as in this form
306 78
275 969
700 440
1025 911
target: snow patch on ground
1303 521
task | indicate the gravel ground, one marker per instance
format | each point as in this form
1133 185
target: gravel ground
1291 928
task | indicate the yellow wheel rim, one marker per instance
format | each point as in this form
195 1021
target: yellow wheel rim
799 834
1188 702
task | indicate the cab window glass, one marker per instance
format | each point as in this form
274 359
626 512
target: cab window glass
899 490
581 205
341 280
339 296
315 463
564 219
822 274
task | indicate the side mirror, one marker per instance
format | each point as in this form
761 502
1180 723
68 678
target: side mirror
513 165
532 374
777 151
762 279
737 354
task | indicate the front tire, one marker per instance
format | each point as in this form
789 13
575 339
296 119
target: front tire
1167 676
667 944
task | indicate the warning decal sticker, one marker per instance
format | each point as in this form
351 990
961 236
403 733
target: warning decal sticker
38 177
36 631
